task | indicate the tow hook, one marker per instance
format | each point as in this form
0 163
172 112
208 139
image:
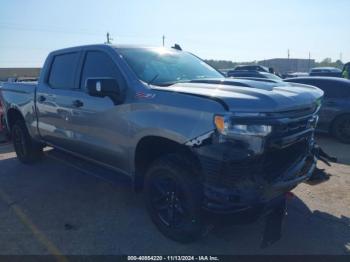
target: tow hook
320 175
324 157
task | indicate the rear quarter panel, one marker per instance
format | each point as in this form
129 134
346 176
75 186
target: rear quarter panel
20 96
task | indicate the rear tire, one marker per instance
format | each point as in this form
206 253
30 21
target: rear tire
341 128
174 199
27 150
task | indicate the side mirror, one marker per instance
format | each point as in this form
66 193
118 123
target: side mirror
102 87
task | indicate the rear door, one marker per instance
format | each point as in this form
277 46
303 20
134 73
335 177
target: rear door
55 99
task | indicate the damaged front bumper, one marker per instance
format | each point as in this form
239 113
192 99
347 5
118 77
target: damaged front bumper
238 178
262 197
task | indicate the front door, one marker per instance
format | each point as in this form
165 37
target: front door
98 124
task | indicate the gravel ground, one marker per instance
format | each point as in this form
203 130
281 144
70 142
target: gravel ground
65 206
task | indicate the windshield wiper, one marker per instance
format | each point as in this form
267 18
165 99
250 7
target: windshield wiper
153 79
170 83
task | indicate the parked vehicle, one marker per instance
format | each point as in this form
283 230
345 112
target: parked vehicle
295 74
335 112
253 74
346 71
326 71
195 142
258 68
2 125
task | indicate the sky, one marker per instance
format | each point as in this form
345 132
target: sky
221 29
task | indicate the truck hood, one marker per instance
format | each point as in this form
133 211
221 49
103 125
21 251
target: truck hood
251 96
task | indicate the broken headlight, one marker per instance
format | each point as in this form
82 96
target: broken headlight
253 135
225 127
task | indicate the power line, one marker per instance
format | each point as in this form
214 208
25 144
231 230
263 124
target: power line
24 48
48 30
65 31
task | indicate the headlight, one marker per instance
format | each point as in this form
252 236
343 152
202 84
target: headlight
224 126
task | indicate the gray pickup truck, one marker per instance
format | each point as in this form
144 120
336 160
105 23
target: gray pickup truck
193 141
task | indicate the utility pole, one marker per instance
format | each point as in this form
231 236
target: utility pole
309 60
288 55
341 56
109 39
163 38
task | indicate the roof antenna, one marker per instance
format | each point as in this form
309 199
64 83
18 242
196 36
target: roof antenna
109 39
177 47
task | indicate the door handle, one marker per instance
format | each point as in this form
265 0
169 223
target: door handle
41 99
78 103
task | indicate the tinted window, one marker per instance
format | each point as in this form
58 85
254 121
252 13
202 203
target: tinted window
256 75
98 65
241 74
253 74
251 68
62 71
247 68
318 70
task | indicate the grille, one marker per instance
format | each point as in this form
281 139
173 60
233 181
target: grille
291 128
269 166
288 143
276 161
295 113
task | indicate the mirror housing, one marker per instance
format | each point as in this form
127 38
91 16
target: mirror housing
102 87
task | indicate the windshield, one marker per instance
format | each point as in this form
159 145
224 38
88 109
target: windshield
162 66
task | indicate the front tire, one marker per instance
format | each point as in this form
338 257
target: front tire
27 150
341 128
174 199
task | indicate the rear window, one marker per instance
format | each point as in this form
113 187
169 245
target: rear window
243 74
63 69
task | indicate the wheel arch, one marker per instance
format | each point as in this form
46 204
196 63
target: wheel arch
150 148
12 115
331 126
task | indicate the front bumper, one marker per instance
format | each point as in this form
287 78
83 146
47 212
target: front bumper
238 181
260 199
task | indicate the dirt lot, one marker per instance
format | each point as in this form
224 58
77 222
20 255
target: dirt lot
65 206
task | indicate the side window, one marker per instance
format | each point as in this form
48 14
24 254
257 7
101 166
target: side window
63 70
98 65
